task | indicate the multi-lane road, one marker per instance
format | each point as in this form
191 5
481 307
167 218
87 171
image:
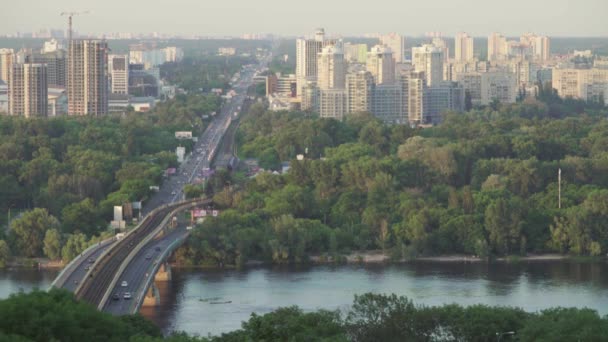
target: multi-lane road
171 191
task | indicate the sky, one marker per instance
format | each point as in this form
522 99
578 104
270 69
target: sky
301 17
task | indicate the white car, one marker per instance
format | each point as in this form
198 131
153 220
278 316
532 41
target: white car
127 295
124 283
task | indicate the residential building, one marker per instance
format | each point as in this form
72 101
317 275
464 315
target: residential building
118 66
331 68
87 81
381 64
415 95
56 62
429 59
498 85
497 47
585 84
360 89
333 103
57 101
463 47
471 83
306 59
443 45
27 90
355 53
396 43
6 60
51 46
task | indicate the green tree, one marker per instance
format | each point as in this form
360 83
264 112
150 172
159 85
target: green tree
29 231
52 244
74 245
5 253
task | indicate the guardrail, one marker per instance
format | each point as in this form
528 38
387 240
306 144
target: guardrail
82 255
110 250
183 205
152 272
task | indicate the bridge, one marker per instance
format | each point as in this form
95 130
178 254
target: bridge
105 272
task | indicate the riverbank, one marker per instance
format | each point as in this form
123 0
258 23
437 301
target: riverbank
40 263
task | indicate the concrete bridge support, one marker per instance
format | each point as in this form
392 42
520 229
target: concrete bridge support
163 273
152 297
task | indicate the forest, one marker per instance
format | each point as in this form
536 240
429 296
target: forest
482 183
65 174
57 316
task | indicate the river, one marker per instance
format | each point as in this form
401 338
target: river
530 285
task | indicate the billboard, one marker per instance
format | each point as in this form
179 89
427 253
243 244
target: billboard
183 135
118 213
199 213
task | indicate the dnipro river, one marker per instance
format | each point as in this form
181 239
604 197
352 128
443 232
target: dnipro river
185 301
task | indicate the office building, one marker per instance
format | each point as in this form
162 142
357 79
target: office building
118 66
387 103
144 82
381 65
463 47
87 82
429 59
498 85
360 89
497 47
396 43
27 90
442 97
6 60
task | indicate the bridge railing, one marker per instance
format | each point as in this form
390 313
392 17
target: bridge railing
180 206
136 304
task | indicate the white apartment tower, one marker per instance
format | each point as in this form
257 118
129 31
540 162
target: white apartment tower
27 90
396 43
87 77
331 68
359 89
118 66
429 59
463 47
497 47
6 60
381 65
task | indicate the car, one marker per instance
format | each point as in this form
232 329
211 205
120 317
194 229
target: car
91 260
124 283
148 257
127 295
87 268
173 192
116 296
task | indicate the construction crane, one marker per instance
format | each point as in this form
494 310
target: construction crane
70 15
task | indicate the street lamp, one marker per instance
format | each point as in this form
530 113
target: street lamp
500 335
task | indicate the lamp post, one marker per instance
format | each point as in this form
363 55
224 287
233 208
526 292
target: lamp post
500 335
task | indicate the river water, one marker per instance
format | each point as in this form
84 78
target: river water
186 300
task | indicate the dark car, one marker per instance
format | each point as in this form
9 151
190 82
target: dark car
116 296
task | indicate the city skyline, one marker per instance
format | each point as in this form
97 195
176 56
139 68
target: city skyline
188 17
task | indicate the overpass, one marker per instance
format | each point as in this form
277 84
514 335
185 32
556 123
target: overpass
140 257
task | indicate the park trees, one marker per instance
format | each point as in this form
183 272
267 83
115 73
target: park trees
29 231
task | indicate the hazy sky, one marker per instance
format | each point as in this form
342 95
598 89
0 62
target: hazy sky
300 17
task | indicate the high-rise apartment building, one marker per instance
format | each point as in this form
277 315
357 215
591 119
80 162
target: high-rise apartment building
381 65
331 68
415 95
497 47
396 43
307 51
331 82
443 45
27 90
463 47
360 89
56 62
498 85
6 60
118 66
355 53
87 77
442 97
387 103
429 59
